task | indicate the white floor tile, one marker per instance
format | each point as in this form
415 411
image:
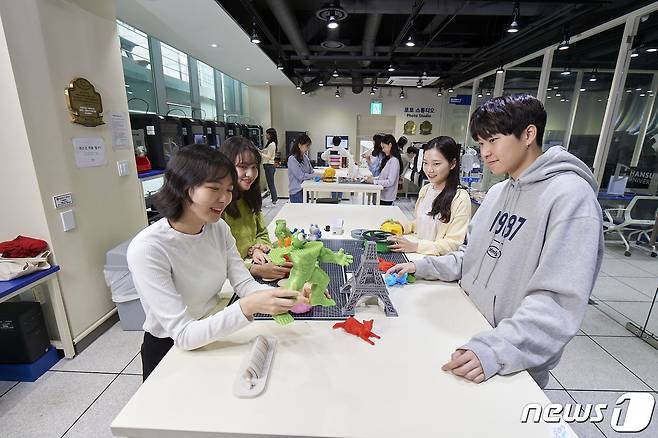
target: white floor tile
552 383
586 366
644 262
610 398
6 386
611 289
49 406
636 312
110 353
598 323
583 430
647 286
620 268
135 366
636 355
95 422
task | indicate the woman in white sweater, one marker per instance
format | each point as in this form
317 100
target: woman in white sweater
443 210
268 153
180 263
390 170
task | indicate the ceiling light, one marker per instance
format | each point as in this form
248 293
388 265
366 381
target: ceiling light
564 45
424 74
638 89
634 55
391 67
514 25
337 92
629 90
599 100
321 84
372 91
642 94
298 86
480 94
419 84
402 96
130 92
592 79
335 73
254 37
651 50
558 94
583 89
439 92
147 90
213 45
332 23
267 82
450 90
248 68
565 72
127 85
562 100
500 70
410 42
279 65
488 93
548 97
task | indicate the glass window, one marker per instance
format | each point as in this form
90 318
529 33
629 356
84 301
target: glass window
136 60
523 78
458 105
177 80
244 89
485 89
635 139
228 95
207 91
571 71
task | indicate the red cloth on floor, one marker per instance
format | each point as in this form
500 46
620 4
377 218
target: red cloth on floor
22 246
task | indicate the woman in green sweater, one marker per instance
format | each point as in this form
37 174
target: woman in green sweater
244 216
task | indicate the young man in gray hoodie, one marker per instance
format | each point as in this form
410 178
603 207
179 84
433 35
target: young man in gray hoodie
532 251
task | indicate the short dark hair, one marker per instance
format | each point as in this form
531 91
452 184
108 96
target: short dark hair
412 150
236 149
295 151
336 140
190 167
509 114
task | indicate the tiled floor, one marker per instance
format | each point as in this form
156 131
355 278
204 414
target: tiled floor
80 397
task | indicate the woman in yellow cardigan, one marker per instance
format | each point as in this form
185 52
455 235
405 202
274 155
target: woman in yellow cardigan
443 210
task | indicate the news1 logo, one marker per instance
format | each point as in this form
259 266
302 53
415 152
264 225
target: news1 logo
638 412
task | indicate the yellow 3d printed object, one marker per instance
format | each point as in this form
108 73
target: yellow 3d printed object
392 226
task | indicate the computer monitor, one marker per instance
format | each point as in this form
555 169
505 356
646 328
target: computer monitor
329 141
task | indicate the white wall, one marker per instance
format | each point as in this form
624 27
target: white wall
320 113
51 42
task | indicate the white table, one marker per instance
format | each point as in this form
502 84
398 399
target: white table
364 193
327 383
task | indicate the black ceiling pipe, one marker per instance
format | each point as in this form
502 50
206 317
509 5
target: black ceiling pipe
370 35
287 21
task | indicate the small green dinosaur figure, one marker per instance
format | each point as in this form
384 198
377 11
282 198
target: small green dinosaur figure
282 232
305 256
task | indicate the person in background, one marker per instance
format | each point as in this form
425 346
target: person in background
389 170
375 156
299 168
402 142
244 214
533 249
268 153
336 150
443 210
180 263
412 152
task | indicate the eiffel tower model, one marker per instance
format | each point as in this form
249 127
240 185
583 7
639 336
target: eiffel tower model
367 281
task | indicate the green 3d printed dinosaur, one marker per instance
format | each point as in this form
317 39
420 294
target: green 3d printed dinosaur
305 256
282 233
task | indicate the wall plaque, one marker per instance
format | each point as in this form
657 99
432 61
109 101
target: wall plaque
84 103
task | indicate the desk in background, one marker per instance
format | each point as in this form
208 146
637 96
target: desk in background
324 382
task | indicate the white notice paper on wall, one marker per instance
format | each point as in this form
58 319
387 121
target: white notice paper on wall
89 152
119 125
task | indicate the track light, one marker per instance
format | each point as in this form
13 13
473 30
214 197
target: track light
298 86
488 93
337 94
565 72
335 73
450 90
402 96
254 35
419 84
303 92
424 74
480 94
332 23
634 54
583 89
499 70
391 67
592 78
439 92
320 84
410 42
514 25
372 90
279 64
564 44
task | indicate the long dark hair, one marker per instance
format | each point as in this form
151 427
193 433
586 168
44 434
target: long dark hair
450 151
273 138
377 148
190 167
395 152
295 151
241 150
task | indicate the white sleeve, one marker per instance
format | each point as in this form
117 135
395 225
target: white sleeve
151 272
325 154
